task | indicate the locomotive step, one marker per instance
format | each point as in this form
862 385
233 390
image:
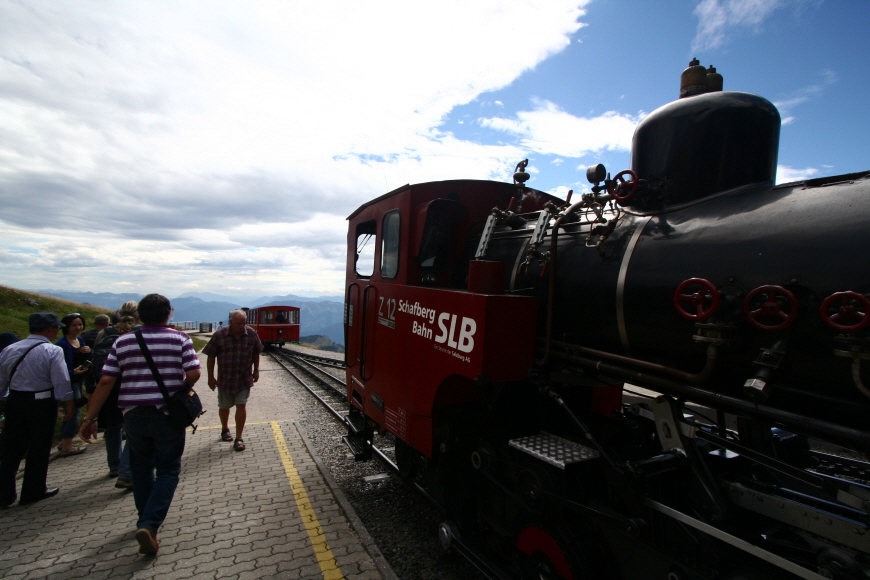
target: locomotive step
361 451
554 449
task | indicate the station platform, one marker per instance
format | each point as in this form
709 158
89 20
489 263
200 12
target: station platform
269 511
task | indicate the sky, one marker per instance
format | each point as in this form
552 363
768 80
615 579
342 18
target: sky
218 146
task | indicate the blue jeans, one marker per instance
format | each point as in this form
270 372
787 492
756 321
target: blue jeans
69 428
155 445
118 460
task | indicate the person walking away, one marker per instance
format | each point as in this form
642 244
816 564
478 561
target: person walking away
33 377
77 354
110 417
237 350
155 444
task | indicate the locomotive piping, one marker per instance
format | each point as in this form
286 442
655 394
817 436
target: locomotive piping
551 291
856 376
730 404
706 372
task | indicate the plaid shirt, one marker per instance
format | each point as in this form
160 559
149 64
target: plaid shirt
235 358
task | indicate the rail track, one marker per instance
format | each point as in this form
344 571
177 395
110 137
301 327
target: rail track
320 377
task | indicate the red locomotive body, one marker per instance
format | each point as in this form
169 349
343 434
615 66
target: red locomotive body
275 325
491 327
412 348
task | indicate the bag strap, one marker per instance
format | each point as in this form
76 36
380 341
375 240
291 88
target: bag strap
151 365
18 362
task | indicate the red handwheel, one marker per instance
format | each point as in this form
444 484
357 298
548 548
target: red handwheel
850 307
623 190
699 305
771 308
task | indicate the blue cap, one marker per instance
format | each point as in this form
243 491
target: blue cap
43 320
6 339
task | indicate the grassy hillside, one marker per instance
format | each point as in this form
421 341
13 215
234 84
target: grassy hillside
320 342
16 306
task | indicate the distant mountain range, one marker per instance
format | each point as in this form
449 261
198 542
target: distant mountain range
322 315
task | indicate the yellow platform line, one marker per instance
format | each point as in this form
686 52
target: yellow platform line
325 558
233 425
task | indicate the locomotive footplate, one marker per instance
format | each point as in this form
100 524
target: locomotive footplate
554 449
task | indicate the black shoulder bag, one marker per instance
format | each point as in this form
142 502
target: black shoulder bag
18 362
184 406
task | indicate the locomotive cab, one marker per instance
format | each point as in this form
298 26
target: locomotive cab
408 293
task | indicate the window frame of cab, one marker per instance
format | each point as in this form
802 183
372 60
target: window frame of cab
390 249
366 228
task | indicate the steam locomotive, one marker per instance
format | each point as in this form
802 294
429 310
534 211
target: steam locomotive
664 378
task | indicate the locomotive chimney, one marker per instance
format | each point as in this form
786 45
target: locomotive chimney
693 81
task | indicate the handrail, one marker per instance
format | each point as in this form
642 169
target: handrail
362 341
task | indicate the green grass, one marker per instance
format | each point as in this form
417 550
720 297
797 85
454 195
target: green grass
15 311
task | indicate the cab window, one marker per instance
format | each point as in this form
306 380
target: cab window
390 237
365 248
266 317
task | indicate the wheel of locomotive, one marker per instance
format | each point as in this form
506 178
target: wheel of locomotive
553 551
534 484
408 460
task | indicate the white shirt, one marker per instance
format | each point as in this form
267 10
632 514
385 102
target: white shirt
42 369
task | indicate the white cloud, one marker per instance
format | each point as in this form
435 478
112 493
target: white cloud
785 174
168 136
550 130
718 18
804 95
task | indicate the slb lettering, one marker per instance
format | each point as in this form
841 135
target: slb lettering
465 339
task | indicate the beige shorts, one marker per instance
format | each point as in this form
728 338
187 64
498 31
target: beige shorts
228 400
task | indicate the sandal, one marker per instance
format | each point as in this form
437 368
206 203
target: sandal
239 445
73 451
225 435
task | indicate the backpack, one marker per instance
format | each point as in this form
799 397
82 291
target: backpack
101 352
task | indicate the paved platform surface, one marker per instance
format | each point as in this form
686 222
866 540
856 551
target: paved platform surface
266 512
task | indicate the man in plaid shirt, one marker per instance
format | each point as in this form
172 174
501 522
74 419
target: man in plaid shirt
237 349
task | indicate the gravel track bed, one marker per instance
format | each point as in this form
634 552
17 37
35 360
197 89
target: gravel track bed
402 524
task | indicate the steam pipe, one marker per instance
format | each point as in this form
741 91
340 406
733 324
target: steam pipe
801 423
706 372
551 292
856 376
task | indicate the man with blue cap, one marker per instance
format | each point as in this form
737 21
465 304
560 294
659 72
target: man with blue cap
33 377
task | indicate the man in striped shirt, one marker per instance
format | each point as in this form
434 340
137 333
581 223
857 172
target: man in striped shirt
155 445
33 377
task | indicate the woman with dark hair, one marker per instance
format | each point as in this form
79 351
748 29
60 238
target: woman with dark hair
76 353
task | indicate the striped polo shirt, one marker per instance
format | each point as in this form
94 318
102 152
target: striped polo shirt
173 354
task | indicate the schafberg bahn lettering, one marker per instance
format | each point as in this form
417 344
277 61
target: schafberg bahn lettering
455 332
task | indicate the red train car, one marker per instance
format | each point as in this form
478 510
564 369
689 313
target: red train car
275 325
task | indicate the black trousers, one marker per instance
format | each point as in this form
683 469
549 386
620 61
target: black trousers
29 431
